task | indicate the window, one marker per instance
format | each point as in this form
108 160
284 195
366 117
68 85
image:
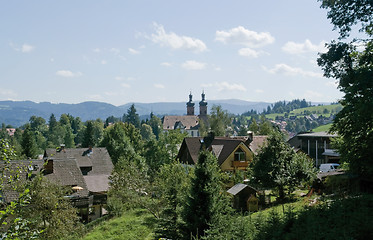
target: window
239 155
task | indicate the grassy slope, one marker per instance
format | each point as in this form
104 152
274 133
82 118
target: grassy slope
315 109
323 128
132 225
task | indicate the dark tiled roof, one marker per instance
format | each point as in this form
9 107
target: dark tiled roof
67 173
222 147
97 183
99 158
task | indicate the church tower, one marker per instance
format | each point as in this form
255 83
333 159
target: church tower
190 106
203 106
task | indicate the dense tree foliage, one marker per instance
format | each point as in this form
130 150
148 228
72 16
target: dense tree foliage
28 143
132 117
51 212
172 182
278 167
351 64
12 224
206 200
219 121
283 106
156 125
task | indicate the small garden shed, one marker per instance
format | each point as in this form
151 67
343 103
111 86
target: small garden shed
244 197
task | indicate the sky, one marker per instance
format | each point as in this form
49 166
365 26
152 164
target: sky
121 51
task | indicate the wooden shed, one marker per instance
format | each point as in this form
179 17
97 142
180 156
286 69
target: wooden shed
244 197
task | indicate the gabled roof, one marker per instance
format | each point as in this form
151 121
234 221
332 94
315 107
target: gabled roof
67 173
188 121
66 170
98 158
238 188
222 147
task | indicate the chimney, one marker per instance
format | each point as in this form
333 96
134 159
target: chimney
207 141
48 166
250 136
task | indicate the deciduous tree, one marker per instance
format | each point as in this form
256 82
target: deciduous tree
219 120
351 64
278 167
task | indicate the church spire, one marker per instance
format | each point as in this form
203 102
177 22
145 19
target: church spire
190 105
203 105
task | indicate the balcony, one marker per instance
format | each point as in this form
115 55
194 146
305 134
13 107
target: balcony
237 164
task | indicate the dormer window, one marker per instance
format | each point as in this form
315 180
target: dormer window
239 155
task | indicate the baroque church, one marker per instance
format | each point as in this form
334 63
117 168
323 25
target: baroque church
190 122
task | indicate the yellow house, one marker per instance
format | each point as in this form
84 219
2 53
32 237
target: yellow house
238 159
232 153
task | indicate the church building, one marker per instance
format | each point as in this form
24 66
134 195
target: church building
190 121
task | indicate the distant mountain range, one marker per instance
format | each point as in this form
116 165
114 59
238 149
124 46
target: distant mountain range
17 113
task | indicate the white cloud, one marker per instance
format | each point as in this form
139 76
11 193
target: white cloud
285 69
193 65
118 78
225 86
125 85
67 73
245 37
307 46
158 85
96 50
133 51
248 52
103 62
174 41
166 64
27 48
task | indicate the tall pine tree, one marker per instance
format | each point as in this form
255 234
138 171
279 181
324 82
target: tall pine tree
28 143
205 202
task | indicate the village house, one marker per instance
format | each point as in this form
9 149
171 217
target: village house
85 171
189 123
92 166
317 145
232 153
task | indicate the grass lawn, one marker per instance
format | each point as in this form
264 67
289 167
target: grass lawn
297 204
136 224
322 128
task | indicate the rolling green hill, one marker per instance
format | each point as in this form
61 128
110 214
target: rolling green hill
324 110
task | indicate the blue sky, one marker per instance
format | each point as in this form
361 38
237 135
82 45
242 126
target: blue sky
158 51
